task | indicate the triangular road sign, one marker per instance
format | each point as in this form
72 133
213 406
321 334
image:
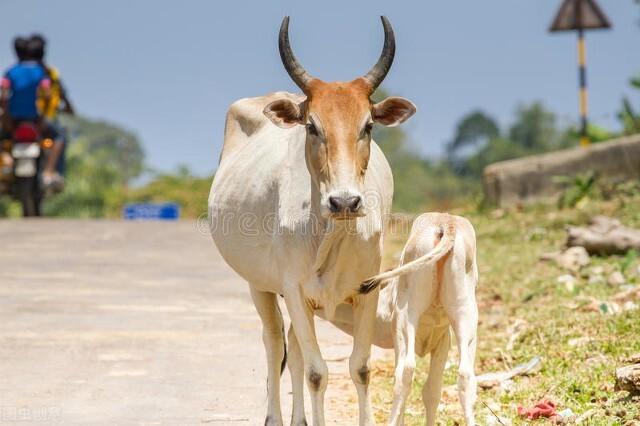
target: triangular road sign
579 14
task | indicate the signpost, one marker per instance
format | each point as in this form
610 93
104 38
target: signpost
151 211
581 15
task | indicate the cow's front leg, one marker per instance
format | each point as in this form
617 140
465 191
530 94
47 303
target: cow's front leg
274 344
296 369
315 368
364 317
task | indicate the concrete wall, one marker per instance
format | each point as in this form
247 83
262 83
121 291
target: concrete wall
531 178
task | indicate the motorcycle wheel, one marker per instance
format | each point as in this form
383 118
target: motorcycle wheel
28 192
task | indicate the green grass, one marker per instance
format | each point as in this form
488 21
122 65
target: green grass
515 284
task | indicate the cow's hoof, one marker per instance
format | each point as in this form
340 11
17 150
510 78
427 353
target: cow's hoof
270 421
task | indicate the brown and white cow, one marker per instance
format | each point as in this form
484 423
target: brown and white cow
297 209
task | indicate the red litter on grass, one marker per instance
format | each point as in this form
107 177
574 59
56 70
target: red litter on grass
545 408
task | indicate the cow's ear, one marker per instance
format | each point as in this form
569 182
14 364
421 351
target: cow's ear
284 113
393 111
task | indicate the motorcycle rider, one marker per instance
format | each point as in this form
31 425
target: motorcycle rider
6 160
20 88
57 99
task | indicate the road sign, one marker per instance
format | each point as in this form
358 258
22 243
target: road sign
151 211
579 15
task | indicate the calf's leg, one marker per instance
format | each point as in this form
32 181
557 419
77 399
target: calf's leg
432 389
405 365
461 307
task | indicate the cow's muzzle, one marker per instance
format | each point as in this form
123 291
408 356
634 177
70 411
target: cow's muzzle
345 207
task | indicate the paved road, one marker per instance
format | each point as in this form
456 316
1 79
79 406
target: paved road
115 323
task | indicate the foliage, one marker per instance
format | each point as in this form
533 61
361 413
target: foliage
478 140
629 117
189 191
419 183
534 129
577 188
628 260
102 158
475 128
4 206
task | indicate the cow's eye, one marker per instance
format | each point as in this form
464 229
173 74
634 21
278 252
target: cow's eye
368 127
366 131
312 129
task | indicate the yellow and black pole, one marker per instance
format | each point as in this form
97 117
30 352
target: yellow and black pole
584 96
581 15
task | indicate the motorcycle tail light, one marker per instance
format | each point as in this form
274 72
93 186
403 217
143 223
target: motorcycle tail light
25 133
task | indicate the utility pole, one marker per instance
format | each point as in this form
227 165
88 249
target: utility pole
581 15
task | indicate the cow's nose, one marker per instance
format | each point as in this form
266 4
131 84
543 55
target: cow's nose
345 204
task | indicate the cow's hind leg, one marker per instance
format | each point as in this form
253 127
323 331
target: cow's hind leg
432 389
296 369
275 347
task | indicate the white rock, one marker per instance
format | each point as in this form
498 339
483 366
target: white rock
596 279
568 280
616 278
573 258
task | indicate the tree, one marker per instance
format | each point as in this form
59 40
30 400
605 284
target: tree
629 117
102 158
181 186
477 141
473 133
534 128
418 182
473 130
120 146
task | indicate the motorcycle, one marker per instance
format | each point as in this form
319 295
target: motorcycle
29 151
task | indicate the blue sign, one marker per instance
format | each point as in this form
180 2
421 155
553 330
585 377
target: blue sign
151 211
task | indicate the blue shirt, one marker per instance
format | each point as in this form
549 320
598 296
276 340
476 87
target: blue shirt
25 78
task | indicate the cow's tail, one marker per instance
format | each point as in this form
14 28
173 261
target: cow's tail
441 249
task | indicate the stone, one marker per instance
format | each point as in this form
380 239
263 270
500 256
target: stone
616 279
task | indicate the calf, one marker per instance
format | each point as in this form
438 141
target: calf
431 292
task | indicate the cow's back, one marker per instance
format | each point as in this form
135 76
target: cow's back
245 118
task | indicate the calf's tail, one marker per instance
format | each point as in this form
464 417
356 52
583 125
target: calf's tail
441 249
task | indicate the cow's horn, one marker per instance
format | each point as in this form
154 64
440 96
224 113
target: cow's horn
297 73
381 68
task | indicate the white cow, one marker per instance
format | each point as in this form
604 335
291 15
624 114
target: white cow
297 209
432 290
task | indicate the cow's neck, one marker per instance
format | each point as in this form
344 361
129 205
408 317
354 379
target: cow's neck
330 242
325 235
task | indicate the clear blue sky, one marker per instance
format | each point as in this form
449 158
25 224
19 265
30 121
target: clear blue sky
169 69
